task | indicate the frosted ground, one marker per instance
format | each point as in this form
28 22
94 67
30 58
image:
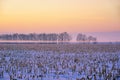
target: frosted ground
64 62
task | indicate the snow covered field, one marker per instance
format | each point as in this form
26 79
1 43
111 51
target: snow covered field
41 64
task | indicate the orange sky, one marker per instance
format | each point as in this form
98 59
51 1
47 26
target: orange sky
25 16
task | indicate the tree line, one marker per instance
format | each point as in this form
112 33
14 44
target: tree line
62 37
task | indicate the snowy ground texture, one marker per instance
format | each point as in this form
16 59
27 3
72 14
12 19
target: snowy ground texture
53 65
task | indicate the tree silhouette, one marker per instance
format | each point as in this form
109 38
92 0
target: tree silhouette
92 39
64 37
81 37
35 37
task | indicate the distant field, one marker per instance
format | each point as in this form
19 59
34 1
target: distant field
63 47
36 61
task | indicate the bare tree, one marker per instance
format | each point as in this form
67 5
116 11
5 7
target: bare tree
33 36
81 37
15 36
41 37
64 37
92 39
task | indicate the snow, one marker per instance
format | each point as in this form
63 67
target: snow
48 65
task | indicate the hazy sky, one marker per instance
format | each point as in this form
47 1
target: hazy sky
58 15
25 16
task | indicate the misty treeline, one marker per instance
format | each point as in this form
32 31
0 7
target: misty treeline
61 37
